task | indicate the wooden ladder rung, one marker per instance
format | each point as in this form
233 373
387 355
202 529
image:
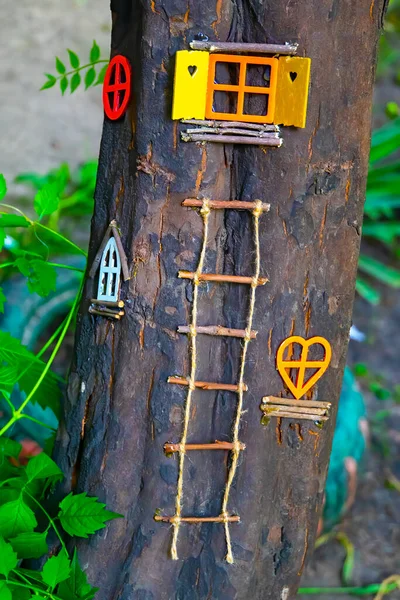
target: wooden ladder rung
219 519
221 278
218 330
170 448
208 385
224 204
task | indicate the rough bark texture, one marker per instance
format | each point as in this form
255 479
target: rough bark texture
120 410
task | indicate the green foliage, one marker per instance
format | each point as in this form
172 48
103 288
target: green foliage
28 368
40 274
56 569
3 187
21 537
8 558
380 220
76 586
81 515
374 382
29 243
30 544
95 70
47 199
24 521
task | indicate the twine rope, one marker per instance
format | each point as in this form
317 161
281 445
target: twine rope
176 520
257 212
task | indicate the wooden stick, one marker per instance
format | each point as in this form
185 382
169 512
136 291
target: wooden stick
269 408
105 310
97 258
103 313
295 416
224 204
299 403
233 131
169 448
124 262
118 304
219 519
231 139
221 278
234 47
210 123
206 385
218 330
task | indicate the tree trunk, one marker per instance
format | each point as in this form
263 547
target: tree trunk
120 410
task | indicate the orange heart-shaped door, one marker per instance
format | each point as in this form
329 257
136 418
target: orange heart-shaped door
299 385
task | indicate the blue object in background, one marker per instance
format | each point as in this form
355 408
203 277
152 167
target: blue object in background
348 443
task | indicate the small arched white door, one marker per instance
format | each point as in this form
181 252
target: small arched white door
110 273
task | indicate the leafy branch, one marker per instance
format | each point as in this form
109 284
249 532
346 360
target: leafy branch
18 366
61 577
73 77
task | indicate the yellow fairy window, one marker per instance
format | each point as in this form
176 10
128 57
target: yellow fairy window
251 98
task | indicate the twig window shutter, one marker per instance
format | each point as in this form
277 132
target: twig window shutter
110 273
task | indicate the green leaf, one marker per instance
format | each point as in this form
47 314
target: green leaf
41 276
75 82
8 558
63 84
82 515
47 199
5 593
20 593
2 300
16 517
8 376
366 291
76 587
30 545
102 74
94 52
73 59
384 231
2 238
90 77
9 448
7 493
43 467
56 569
3 186
379 270
14 353
385 141
60 66
8 220
51 82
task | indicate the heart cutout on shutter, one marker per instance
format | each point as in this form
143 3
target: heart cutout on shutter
192 70
293 75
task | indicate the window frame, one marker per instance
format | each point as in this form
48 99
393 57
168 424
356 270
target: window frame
107 273
241 88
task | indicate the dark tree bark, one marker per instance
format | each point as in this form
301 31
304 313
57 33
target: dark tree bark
120 410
